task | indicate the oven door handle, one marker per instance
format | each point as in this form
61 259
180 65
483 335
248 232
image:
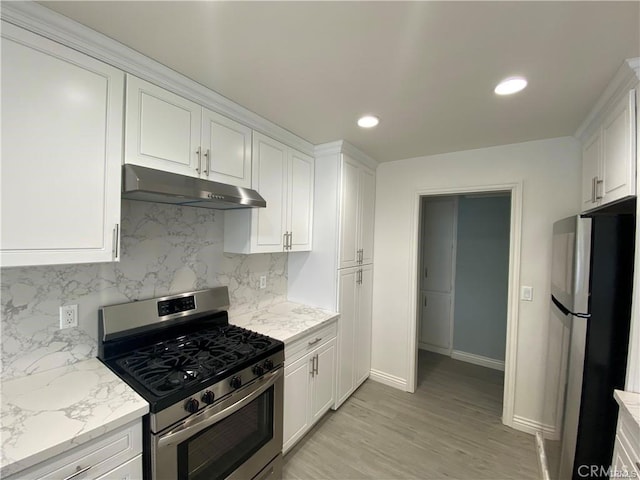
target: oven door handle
215 413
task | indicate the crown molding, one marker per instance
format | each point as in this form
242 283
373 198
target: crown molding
625 79
342 146
47 23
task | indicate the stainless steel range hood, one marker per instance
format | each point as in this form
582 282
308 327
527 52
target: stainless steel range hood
150 185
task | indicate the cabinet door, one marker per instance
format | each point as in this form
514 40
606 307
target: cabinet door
363 326
367 211
162 129
300 200
436 320
269 178
324 381
349 241
619 151
591 154
297 385
438 223
226 150
348 309
61 153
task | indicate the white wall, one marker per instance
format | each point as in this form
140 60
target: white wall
549 171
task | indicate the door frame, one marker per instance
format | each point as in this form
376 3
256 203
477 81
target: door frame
511 347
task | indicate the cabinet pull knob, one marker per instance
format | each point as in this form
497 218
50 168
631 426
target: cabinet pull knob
199 154
313 342
599 189
207 162
116 238
79 471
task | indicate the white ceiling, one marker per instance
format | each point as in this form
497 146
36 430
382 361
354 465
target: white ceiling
428 69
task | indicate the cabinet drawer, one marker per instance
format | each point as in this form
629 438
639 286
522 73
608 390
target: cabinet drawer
94 459
309 342
624 463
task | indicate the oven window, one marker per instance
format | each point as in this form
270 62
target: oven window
217 451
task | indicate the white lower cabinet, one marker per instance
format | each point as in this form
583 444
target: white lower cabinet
115 456
309 382
626 451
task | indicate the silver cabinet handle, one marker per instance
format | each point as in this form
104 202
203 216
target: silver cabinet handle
116 238
317 364
290 240
313 342
207 162
599 185
199 154
313 370
285 235
593 189
79 471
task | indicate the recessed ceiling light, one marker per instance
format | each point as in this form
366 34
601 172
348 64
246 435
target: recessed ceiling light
511 85
368 121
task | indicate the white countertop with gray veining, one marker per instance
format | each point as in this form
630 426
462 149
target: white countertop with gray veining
286 321
630 402
48 413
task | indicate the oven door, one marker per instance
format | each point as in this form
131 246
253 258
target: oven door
233 439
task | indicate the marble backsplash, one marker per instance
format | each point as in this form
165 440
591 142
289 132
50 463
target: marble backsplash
165 249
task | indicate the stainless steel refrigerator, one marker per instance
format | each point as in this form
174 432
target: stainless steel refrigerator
591 287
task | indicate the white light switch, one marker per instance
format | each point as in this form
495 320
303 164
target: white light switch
526 293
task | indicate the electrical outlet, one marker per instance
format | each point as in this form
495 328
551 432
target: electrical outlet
68 316
263 281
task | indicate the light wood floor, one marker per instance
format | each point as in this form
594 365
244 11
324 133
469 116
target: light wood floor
449 429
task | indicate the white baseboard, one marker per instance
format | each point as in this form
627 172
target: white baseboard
434 349
390 380
533 427
478 360
542 457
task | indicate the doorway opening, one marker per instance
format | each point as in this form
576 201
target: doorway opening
466 262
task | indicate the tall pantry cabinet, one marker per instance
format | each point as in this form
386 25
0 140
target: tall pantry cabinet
338 273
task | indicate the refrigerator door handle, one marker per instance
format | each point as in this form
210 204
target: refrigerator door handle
566 311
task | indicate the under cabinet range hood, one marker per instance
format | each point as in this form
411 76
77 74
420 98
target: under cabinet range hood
150 185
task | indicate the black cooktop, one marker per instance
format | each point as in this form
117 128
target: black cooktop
169 370
176 364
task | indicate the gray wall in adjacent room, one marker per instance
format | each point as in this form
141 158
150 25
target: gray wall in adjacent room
482 272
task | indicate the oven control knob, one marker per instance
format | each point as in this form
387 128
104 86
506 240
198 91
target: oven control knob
268 364
208 397
258 370
192 405
236 382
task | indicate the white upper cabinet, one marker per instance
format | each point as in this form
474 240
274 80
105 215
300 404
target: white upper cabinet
284 177
609 153
62 120
168 132
619 150
356 213
226 147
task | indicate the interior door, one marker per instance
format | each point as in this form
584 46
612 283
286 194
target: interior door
438 231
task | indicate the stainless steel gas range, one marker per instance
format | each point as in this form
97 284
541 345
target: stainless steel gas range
215 390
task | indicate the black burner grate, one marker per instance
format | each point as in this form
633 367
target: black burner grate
176 364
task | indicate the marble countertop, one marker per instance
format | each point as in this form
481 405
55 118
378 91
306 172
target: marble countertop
630 402
48 413
286 321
